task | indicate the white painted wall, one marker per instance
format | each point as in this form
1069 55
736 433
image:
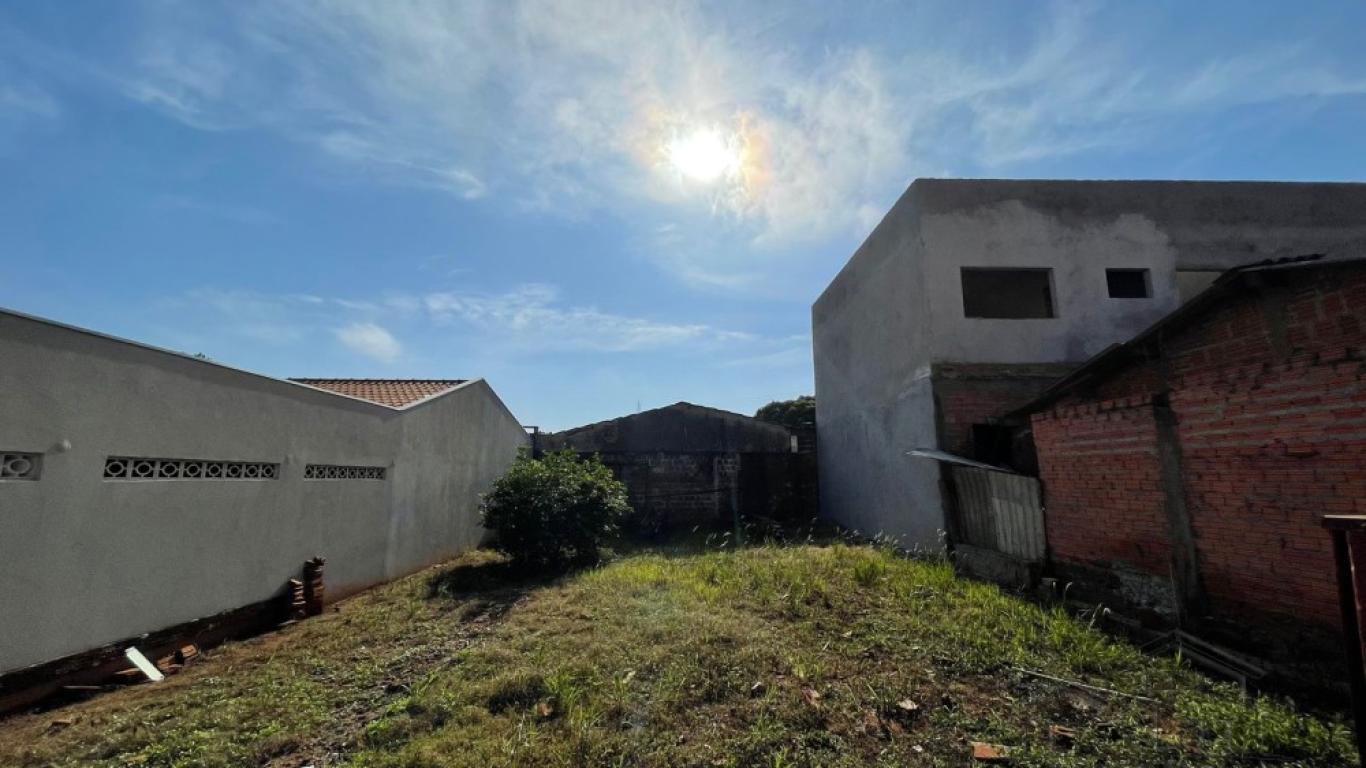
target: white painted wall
85 561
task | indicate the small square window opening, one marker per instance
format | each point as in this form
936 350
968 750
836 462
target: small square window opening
1128 283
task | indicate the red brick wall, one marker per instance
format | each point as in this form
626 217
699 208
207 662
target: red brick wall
1274 437
1098 464
968 394
1269 393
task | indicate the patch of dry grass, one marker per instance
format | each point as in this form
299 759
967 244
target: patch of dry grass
771 656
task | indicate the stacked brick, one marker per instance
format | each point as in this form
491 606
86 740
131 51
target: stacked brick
1269 393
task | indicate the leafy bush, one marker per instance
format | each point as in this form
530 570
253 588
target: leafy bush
555 511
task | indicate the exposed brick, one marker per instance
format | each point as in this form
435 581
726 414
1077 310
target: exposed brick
968 394
1273 436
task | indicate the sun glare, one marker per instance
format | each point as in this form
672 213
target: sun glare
704 155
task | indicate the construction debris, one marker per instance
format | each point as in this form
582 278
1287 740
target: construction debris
1083 686
100 668
1207 656
1062 734
186 654
313 586
298 607
144 666
990 753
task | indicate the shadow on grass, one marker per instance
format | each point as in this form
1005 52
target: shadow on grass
500 576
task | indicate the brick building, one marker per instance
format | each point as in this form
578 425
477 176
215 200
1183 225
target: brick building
1186 470
687 465
974 295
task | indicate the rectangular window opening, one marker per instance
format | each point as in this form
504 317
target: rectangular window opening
1007 293
1128 283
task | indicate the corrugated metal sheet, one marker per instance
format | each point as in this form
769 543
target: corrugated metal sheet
1000 511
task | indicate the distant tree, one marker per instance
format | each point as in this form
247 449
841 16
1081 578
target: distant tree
793 414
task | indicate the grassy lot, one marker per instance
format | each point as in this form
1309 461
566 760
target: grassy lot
771 656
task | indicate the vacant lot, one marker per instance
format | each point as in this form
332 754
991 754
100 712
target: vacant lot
772 656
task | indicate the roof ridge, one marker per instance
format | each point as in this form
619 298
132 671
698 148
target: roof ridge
364 378
626 416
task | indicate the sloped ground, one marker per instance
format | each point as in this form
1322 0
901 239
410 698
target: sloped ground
771 656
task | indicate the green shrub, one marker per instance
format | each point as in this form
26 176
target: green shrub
555 511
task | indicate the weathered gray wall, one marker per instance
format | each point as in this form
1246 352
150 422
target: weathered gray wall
1011 234
897 308
1080 228
871 335
86 561
1210 224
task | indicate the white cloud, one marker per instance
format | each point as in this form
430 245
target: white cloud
23 105
566 106
527 320
532 317
271 320
792 352
423 171
23 98
370 340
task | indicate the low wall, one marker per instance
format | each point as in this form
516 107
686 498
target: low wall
677 491
89 556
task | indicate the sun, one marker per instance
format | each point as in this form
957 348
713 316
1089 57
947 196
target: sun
704 155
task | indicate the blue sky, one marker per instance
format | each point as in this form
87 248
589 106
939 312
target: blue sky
512 189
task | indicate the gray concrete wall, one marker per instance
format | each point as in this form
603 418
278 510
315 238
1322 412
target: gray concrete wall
897 306
871 330
1210 224
1086 319
1080 228
86 561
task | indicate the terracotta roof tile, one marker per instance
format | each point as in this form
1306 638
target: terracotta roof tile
395 393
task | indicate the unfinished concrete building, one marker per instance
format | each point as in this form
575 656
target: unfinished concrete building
971 296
